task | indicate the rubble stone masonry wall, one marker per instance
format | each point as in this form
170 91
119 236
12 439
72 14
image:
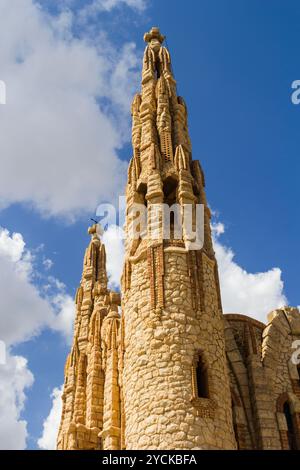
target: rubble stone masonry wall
162 411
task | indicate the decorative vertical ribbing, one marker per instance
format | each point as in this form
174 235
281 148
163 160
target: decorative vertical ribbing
111 433
208 246
159 262
136 133
166 146
217 280
95 376
180 124
80 397
70 385
163 120
155 257
128 274
121 367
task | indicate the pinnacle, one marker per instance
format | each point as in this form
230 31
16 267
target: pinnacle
96 231
154 33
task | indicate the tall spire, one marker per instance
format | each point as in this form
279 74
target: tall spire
171 299
87 404
162 169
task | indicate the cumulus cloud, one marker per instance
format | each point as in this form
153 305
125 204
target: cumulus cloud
47 263
253 294
11 247
62 321
96 6
24 311
51 424
114 245
15 378
59 135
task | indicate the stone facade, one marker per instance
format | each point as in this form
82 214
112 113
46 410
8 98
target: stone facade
265 382
172 371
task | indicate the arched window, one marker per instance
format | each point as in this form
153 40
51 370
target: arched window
201 378
169 189
170 198
288 422
201 397
290 425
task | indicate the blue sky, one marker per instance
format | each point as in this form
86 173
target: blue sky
234 62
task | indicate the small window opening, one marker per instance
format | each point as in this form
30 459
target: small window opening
202 379
169 188
141 194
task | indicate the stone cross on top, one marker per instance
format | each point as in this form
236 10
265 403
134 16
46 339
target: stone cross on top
154 34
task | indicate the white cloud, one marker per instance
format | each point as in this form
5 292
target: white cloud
51 424
253 294
114 245
123 84
24 312
63 320
218 229
15 378
107 5
11 247
57 145
47 263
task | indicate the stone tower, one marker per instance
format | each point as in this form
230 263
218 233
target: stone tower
91 414
176 386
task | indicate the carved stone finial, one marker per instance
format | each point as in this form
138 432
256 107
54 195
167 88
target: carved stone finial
96 231
154 34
